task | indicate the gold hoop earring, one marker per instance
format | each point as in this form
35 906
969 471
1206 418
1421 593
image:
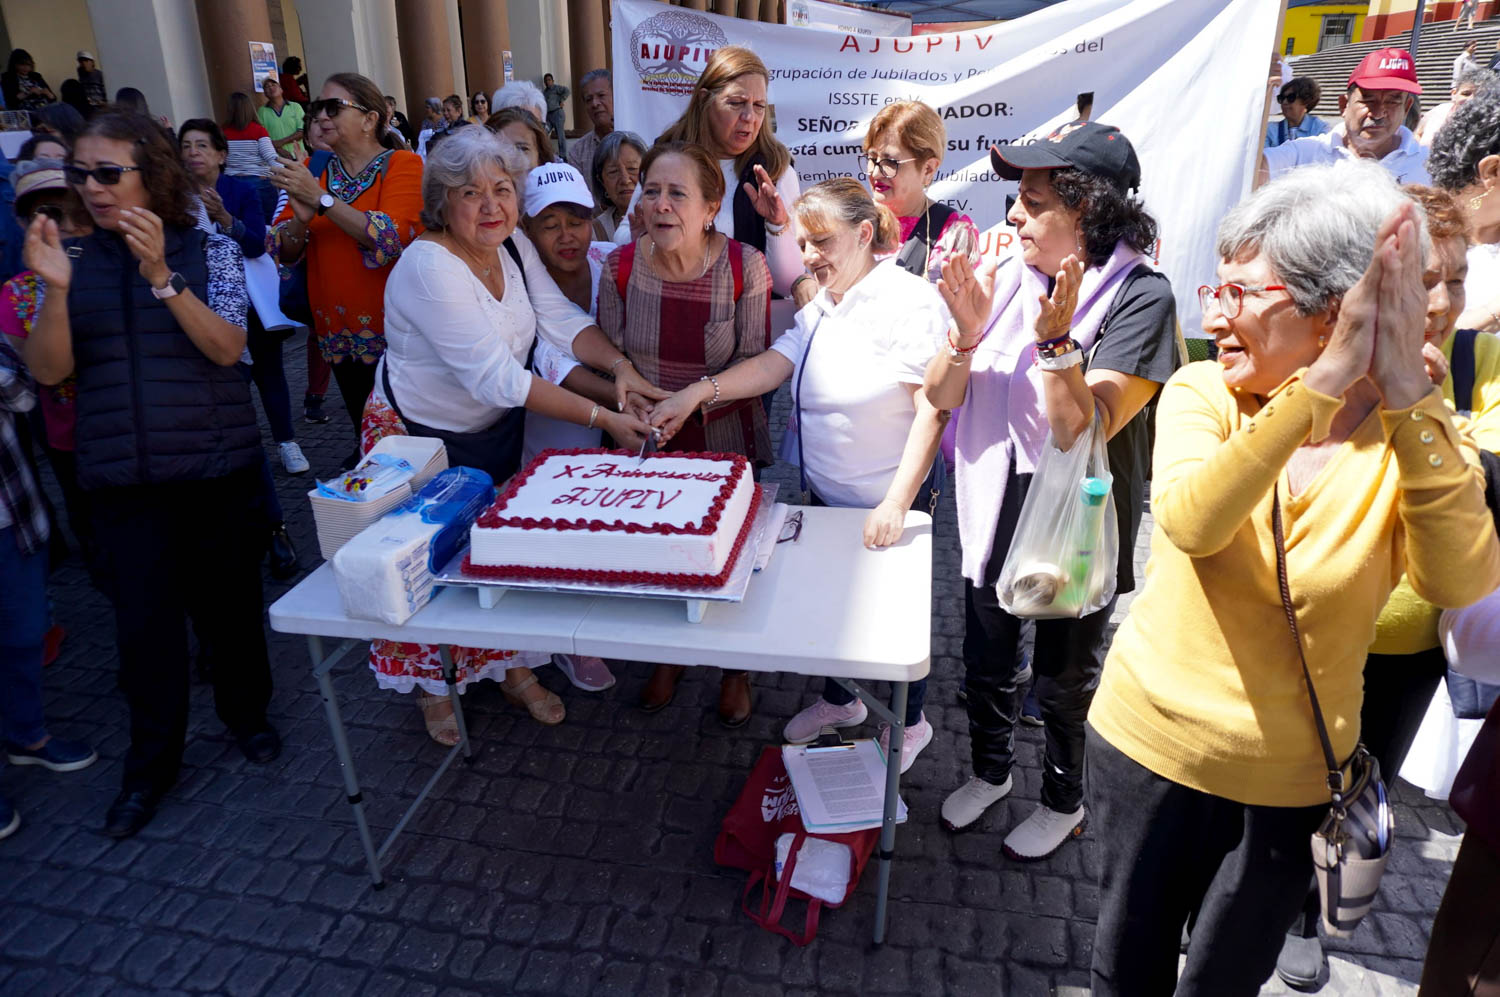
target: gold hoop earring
1475 201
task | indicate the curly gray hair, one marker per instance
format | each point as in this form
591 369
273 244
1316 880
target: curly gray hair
1316 227
457 160
1471 132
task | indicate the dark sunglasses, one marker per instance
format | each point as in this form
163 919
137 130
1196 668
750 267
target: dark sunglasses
331 106
109 174
1285 98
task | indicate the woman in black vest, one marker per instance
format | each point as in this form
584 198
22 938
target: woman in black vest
149 313
726 114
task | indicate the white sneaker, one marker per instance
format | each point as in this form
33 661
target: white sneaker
1042 833
292 458
966 804
587 673
804 726
913 739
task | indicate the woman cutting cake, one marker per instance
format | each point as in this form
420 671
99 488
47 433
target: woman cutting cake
463 306
856 356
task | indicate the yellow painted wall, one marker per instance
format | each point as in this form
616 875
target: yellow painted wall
1305 24
53 31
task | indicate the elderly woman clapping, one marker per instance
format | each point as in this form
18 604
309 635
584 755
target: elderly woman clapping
1318 422
463 307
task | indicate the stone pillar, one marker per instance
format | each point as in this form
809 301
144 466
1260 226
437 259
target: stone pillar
749 10
227 27
728 8
426 57
770 11
695 4
486 34
586 49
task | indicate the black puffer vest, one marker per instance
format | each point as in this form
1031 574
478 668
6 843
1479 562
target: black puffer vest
151 407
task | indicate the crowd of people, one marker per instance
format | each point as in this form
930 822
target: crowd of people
1322 551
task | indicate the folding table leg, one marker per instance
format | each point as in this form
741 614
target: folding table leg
450 673
892 795
346 758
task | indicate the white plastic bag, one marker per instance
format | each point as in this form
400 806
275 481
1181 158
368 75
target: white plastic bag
822 868
1063 557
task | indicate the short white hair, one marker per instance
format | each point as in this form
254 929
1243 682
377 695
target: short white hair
522 94
1316 227
457 160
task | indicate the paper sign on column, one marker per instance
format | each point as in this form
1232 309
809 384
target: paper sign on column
839 789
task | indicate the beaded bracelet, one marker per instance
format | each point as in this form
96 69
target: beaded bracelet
1056 341
959 351
715 382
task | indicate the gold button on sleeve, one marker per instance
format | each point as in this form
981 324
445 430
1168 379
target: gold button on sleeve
1434 460
1418 415
1426 436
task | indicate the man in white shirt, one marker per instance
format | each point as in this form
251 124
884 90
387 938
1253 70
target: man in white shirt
1381 91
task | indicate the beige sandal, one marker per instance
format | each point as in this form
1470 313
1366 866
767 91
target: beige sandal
437 713
544 706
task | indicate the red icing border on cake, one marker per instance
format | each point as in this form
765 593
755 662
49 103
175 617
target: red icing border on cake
492 518
666 579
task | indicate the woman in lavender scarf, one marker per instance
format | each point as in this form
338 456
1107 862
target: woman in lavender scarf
1079 322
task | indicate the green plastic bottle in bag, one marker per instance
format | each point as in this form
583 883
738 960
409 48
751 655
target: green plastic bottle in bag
1092 495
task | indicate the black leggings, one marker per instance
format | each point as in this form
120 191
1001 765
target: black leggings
356 381
269 375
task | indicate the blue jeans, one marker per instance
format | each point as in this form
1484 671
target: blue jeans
23 623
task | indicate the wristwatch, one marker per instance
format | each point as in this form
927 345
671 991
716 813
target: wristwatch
176 284
325 202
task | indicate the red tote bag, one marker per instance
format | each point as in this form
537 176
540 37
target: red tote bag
765 810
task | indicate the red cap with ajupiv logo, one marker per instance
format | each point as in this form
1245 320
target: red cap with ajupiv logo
1386 69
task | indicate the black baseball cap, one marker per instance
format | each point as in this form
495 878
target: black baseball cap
1087 145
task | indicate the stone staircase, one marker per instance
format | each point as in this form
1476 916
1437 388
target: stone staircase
1438 47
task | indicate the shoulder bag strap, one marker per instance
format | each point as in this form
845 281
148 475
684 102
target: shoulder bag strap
515 254
1335 774
737 268
622 271
1463 371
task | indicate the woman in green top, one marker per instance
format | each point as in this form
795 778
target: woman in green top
282 120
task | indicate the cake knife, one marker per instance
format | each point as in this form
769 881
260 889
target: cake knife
648 447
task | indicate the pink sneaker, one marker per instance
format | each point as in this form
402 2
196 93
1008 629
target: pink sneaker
589 674
913 740
804 726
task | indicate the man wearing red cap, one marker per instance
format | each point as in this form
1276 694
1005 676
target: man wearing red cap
1381 91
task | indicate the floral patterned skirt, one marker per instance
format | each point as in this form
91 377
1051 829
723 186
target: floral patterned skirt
404 666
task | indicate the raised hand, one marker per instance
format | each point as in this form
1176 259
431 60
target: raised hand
214 205
44 254
1351 344
1396 365
298 182
1056 316
143 235
766 199
969 294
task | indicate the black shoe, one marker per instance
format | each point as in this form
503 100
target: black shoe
262 747
131 811
283 555
1301 962
312 410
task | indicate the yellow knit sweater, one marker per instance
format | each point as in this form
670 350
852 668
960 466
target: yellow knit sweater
1202 685
1409 623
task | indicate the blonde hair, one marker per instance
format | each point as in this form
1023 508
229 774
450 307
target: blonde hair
912 124
845 201
724 67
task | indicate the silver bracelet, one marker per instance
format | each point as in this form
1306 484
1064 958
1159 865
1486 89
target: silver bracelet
715 382
623 359
594 414
775 229
1072 358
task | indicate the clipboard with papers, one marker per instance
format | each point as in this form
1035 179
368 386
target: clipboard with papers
839 788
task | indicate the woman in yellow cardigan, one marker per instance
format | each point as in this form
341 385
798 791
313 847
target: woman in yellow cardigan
1205 774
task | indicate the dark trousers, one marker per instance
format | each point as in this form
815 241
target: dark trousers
356 381
177 552
318 370
269 375
23 623
266 503
1398 689
1166 850
1463 958
1067 659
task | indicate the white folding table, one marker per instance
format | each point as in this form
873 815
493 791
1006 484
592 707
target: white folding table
825 605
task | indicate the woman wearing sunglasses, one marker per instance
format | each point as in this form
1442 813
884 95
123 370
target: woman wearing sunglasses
350 222
1297 100
149 313
1317 432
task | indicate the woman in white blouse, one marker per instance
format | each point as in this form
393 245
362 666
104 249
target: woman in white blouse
867 435
463 307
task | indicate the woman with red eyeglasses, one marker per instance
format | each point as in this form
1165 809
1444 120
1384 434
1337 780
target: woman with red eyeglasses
1317 432
349 213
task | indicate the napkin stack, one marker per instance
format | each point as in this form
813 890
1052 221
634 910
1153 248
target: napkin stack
340 521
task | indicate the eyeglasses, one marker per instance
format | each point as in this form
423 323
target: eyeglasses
1230 297
791 528
331 106
886 168
1285 98
108 174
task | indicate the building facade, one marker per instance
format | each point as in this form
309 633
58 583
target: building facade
1395 17
1315 25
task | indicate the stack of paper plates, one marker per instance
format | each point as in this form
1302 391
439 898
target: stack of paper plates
339 521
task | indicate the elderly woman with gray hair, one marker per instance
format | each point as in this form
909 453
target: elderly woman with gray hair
1318 423
463 307
613 175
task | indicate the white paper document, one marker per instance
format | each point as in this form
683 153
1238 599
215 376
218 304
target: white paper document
839 789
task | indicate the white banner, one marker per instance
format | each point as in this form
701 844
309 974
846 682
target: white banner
1183 79
830 15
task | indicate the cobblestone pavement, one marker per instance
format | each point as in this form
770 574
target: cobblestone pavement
570 860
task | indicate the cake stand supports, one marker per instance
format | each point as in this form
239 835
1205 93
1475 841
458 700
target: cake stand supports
695 608
489 595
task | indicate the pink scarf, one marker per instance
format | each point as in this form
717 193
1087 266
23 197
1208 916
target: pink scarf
1004 417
